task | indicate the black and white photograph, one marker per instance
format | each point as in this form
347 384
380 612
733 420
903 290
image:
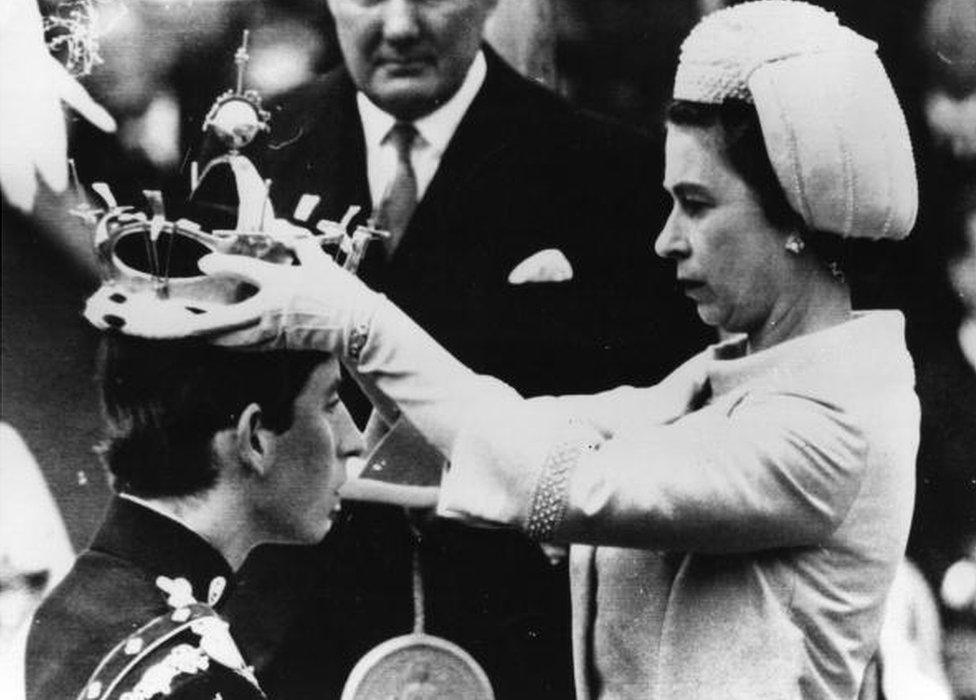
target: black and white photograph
488 349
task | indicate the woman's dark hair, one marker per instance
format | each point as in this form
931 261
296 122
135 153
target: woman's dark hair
163 401
744 148
746 152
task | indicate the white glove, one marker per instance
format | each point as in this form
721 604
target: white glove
315 305
32 132
290 309
319 306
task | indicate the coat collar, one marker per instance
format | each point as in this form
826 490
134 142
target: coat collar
163 547
871 344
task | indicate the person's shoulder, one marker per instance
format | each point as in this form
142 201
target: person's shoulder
187 652
546 107
100 587
547 122
101 599
110 633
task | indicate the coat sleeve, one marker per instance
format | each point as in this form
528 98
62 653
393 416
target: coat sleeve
775 470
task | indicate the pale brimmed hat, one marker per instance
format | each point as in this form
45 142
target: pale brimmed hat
833 128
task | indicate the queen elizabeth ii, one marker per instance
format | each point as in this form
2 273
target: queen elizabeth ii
735 528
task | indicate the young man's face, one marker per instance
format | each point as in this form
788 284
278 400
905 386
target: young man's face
310 461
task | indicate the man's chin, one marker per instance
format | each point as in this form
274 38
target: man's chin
405 97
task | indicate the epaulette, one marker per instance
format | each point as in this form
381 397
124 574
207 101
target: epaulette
185 653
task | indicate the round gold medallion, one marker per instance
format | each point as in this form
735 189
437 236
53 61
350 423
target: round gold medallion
417 667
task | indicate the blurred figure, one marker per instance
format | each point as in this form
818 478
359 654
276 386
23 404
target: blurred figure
949 36
33 140
34 547
944 528
958 595
910 645
35 553
947 517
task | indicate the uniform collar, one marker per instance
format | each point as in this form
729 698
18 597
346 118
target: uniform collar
870 344
436 128
163 546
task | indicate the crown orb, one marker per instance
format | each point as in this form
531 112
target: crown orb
236 122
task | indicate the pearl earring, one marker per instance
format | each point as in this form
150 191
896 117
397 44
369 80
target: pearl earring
795 243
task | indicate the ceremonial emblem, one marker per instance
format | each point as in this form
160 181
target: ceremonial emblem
237 116
152 285
417 666
186 652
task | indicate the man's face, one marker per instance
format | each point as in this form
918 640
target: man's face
409 56
310 461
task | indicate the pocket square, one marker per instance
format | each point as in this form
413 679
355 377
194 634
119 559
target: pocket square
549 265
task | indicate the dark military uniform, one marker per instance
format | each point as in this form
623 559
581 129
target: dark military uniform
136 617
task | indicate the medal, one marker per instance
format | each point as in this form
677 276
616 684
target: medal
417 666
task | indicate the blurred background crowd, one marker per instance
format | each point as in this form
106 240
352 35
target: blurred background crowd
161 64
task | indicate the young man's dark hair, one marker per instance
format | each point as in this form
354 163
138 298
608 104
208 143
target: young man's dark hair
163 401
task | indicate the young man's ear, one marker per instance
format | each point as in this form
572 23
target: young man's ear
255 443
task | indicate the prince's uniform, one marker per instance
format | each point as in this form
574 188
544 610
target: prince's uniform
109 625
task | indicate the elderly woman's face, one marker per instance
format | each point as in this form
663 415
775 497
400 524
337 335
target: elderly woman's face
730 258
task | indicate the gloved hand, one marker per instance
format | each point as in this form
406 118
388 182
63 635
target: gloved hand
319 306
33 139
315 305
291 308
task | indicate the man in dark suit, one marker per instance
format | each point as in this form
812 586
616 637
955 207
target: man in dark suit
520 240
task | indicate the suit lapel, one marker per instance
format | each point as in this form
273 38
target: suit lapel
343 159
327 140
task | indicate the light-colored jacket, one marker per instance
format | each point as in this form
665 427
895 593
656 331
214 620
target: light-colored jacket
740 550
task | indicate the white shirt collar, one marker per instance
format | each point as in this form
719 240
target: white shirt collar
155 508
436 128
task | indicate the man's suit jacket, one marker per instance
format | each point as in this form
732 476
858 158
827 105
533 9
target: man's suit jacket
524 172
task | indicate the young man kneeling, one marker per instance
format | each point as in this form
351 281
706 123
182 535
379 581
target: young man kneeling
211 452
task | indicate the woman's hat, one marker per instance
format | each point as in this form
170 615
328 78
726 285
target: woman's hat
833 128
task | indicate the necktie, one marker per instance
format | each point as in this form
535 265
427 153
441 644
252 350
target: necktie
400 199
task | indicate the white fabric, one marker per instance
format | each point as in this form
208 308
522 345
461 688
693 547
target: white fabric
838 142
32 534
33 539
723 50
319 306
967 340
435 131
33 138
204 305
832 125
745 549
549 265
